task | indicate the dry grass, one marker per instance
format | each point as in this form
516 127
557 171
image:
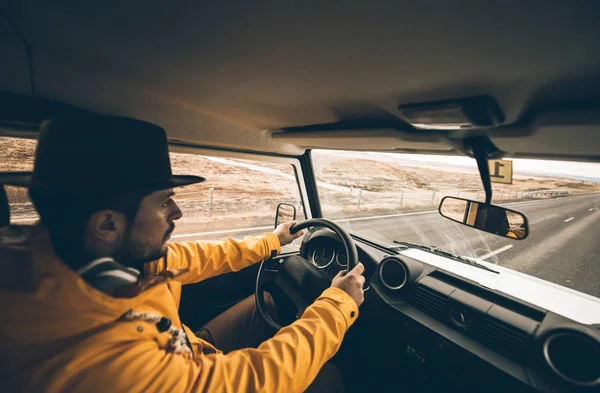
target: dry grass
376 176
387 187
17 154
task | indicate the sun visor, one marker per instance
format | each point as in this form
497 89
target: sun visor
569 134
364 139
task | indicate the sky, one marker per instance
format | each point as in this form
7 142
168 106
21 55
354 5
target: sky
560 168
564 168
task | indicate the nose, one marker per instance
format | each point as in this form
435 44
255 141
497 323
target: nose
176 214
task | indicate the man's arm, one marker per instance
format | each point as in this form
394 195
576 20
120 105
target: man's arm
209 259
287 363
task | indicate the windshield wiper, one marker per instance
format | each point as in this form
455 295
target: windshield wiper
439 251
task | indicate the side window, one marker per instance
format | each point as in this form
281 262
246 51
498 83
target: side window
239 197
17 155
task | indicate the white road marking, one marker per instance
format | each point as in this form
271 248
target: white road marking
389 215
591 209
241 230
221 232
498 251
569 219
521 203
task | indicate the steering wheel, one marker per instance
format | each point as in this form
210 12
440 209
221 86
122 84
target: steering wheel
300 280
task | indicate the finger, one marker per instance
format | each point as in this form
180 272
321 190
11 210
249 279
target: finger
358 269
287 229
340 274
298 234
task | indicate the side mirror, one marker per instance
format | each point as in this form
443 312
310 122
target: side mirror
489 218
285 213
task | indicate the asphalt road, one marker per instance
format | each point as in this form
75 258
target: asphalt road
562 246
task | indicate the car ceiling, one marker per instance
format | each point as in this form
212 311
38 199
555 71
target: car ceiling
249 75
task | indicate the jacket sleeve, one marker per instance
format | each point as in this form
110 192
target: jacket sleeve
208 259
287 363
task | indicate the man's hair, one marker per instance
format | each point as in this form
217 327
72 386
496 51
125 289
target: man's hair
66 213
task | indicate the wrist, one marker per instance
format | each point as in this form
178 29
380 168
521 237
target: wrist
273 244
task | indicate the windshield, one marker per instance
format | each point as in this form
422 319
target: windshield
389 197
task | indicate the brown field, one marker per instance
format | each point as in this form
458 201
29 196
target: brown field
245 194
391 187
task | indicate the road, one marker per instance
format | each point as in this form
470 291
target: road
562 247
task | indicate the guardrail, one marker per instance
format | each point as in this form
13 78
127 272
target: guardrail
538 193
362 199
257 207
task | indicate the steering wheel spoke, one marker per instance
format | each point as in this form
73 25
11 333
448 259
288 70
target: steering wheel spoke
294 296
269 277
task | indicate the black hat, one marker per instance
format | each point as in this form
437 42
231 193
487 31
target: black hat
94 152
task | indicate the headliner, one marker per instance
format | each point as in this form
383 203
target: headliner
225 76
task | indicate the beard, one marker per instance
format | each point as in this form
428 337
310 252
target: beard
135 251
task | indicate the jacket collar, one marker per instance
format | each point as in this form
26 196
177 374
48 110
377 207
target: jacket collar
110 277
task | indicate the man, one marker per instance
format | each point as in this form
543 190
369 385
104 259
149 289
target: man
495 219
89 298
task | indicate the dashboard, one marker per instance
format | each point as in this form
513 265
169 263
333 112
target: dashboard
327 253
459 328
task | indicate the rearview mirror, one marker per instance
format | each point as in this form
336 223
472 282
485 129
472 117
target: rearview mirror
489 218
285 213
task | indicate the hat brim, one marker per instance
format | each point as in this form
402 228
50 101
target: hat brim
25 179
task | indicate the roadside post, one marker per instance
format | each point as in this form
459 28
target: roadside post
210 200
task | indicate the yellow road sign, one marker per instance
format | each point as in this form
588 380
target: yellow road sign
501 171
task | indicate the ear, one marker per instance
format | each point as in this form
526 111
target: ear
106 225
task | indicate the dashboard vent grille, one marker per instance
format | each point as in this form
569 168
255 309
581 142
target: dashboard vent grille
504 338
430 302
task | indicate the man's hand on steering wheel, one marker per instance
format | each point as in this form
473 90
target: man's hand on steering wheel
352 283
283 233
299 279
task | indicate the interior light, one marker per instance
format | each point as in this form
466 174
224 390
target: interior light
437 126
459 114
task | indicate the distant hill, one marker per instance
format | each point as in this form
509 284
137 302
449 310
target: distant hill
461 164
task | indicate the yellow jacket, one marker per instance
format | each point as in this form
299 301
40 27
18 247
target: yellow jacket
59 334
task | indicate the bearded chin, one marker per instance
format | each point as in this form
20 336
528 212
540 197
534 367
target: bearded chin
135 255
136 260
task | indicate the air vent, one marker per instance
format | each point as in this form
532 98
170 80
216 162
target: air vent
571 354
430 302
527 310
393 274
504 338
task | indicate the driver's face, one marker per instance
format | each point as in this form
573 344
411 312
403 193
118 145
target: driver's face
145 239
